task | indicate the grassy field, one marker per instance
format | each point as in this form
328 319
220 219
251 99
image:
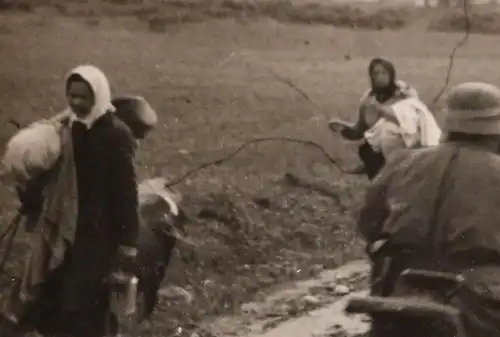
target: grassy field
215 85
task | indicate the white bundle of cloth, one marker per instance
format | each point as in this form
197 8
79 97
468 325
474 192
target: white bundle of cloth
156 200
36 148
31 151
417 128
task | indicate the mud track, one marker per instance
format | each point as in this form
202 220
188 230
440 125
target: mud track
308 308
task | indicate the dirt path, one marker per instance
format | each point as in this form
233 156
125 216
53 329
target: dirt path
328 321
306 309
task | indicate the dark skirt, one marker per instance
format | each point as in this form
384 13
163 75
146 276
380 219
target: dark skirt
373 161
49 317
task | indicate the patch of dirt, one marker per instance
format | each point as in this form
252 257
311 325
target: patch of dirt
311 307
243 244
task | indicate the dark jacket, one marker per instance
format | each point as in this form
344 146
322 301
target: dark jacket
107 204
74 297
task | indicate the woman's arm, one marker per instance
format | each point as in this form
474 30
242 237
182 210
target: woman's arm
356 132
352 133
31 198
124 198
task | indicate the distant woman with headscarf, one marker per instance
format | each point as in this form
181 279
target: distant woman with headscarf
375 104
88 222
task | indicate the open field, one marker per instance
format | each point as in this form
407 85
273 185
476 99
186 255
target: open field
158 15
214 85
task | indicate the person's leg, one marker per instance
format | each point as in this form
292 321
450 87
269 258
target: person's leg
86 322
373 161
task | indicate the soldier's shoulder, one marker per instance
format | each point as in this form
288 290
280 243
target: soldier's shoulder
413 157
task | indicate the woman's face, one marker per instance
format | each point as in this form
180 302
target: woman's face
80 98
381 78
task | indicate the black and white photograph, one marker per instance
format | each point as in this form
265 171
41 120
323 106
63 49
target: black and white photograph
249 168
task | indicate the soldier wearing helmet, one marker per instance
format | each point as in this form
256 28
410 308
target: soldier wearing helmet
436 208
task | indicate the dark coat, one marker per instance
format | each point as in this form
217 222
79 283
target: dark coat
107 203
107 219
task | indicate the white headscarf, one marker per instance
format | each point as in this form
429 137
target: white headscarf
102 93
37 147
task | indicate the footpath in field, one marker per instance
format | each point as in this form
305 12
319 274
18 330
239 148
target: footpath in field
312 308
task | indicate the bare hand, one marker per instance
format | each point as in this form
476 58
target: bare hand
337 125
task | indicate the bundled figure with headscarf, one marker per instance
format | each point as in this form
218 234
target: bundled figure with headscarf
81 200
390 116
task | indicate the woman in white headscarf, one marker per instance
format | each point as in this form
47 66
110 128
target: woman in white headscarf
390 117
88 222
